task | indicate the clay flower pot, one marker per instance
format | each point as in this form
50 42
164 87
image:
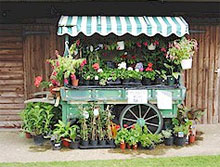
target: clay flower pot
122 146
28 135
128 146
66 143
75 82
192 139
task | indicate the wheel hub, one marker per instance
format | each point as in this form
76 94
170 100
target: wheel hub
141 122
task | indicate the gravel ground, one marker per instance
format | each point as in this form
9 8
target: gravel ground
15 148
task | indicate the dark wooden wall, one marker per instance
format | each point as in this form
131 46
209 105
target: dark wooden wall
11 74
203 81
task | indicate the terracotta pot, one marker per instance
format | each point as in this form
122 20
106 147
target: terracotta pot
75 82
28 135
192 138
122 146
134 147
66 143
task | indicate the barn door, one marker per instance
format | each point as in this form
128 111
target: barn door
40 42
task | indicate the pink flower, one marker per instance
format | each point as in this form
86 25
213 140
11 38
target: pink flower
141 69
54 73
150 65
117 127
37 81
57 53
145 43
133 126
54 82
83 63
156 42
78 42
73 77
57 64
125 125
66 81
138 44
163 50
95 66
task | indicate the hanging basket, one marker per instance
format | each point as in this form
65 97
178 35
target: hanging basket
151 47
120 45
186 64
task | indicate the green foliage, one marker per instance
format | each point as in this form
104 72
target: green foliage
37 118
122 136
171 71
149 75
167 133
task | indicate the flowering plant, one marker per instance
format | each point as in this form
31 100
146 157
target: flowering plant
63 67
181 49
39 82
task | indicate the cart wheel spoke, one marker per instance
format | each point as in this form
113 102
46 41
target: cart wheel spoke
133 113
139 108
154 116
149 131
142 114
152 124
131 120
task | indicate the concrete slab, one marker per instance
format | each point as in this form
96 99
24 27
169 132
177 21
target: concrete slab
15 148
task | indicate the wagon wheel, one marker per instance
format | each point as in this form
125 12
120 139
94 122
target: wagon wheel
143 114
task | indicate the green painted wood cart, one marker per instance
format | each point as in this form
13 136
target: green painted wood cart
147 111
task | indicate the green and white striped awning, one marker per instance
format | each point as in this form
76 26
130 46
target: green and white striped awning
120 25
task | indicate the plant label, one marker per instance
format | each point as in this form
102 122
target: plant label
137 96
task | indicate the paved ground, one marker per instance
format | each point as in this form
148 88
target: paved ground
15 148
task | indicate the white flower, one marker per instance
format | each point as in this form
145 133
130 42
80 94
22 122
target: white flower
96 78
88 78
122 65
110 78
96 112
137 70
100 70
85 114
130 69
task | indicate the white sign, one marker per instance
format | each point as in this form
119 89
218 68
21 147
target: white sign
164 99
137 96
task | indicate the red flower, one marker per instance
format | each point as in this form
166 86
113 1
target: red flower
37 81
148 69
133 126
95 66
138 44
78 42
117 127
66 81
156 42
104 54
125 125
163 50
150 65
133 57
73 77
145 43
124 56
83 63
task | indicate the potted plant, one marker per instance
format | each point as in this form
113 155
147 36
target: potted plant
84 130
101 127
63 131
148 77
172 76
108 126
160 77
73 137
121 138
181 52
181 130
145 141
56 142
168 138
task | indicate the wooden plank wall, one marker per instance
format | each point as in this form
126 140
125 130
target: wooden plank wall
11 74
37 49
202 81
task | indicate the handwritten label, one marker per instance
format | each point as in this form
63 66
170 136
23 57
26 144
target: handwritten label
137 96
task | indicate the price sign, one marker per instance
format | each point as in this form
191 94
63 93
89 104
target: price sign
137 96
